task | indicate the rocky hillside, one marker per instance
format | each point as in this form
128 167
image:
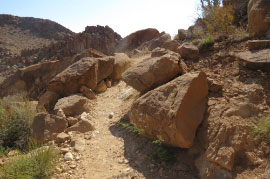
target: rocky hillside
197 106
18 33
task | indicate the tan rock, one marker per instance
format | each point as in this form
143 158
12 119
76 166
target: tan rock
82 126
171 45
45 127
255 60
253 159
72 121
78 144
101 87
121 64
87 92
188 51
159 41
152 72
73 105
258 44
47 101
62 137
173 112
108 83
224 157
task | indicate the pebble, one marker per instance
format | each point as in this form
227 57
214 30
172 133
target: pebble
111 115
72 166
64 150
68 156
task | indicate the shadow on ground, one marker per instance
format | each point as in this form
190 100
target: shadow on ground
138 151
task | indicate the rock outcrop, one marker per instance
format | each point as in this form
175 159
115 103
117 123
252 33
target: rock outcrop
86 72
259 18
137 38
173 111
46 127
153 72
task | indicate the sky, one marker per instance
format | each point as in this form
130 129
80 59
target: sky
123 16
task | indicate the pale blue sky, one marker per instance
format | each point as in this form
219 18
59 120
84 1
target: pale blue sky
124 16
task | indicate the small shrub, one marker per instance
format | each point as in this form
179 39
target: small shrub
162 152
208 41
16 117
37 164
218 18
262 130
130 127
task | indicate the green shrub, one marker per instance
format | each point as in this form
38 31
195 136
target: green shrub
130 127
37 164
208 41
162 152
16 117
262 130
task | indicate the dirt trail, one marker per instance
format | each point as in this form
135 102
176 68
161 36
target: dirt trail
114 152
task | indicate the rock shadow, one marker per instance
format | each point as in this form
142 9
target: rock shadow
138 151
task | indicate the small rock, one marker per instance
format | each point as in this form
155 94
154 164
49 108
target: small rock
214 86
72 166
62 137
82 126
79 145
78 158
72 121
101 87
108 83
68 156
13 153
61 113
87 136
87 92
111 115
64 150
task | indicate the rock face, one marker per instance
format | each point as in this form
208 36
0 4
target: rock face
188 51
86 72
173 111
258 60
121 64
137 38
73 105
259 18
45 127
152 72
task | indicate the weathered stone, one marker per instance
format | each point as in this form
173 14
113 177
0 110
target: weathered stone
47 101
105 68
258 60
78 144
171 45
73 105
72 121
173 112
152 72
87 92
108 83
188 51
68 156
258 44
101 87
259 18
159 41
45 127
121 64
82 126
224 157
137 38
214 86
62 137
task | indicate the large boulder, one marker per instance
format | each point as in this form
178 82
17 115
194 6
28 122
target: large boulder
259 18
188 51
86 72
153 72
137 38
121 64
171 45
73 105
173 111
45 127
